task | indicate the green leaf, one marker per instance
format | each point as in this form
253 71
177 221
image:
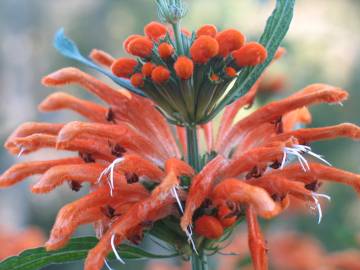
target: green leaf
76 250
276 28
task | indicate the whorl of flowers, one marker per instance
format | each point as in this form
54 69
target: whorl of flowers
136 166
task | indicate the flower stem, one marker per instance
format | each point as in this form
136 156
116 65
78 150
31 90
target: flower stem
178 38
192 147
199 262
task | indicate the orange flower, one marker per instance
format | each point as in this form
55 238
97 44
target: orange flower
147 69
141 47
184 68
207 30
229 40
124 67
137 80
203 49
251 54
165 50
160 75
155 31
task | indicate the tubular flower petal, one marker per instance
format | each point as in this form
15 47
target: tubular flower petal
249 55
203 49
160 75
207 30
124 67
226 216
141 47
229 40
165 50
209 227
155 30
102 58
184 68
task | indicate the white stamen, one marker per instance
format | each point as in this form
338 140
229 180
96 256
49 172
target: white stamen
176 196
189 233
298 150
316 197
22 150
110 171
107 264
114 249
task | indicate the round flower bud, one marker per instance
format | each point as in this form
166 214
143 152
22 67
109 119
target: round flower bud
207 30
184 67
165 50
203 49
124 67
160 75
147 69
128 40
214 77
155 31
229 40
137 80
251 54
209 227
141 47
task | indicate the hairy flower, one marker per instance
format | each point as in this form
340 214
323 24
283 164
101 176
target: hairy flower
142 174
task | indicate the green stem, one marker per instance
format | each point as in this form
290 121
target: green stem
193 148
199 262
178 38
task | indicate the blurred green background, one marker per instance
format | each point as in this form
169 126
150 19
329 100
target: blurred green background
323 46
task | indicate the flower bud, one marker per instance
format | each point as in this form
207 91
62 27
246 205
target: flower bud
203 49
251 54
147 69
137 80
155 31
209 227
229 40
128 40
124 67
184 68
207 30
141 47
165 50
160 75
231 72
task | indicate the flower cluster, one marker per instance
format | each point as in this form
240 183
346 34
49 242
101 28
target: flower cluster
188 82
141 175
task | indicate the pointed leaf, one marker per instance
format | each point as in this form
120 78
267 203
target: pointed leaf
276 28
76 250
68 48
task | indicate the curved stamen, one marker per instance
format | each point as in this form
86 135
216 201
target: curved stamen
114 249
316 197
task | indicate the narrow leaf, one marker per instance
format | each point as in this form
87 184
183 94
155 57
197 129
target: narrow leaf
68 48
76 250
275 30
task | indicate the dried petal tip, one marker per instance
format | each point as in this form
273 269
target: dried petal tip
141 47
251 54
160 75
165 50
229 40
124 67
207 30
203 49
209 227
184 67
155 30
137 80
